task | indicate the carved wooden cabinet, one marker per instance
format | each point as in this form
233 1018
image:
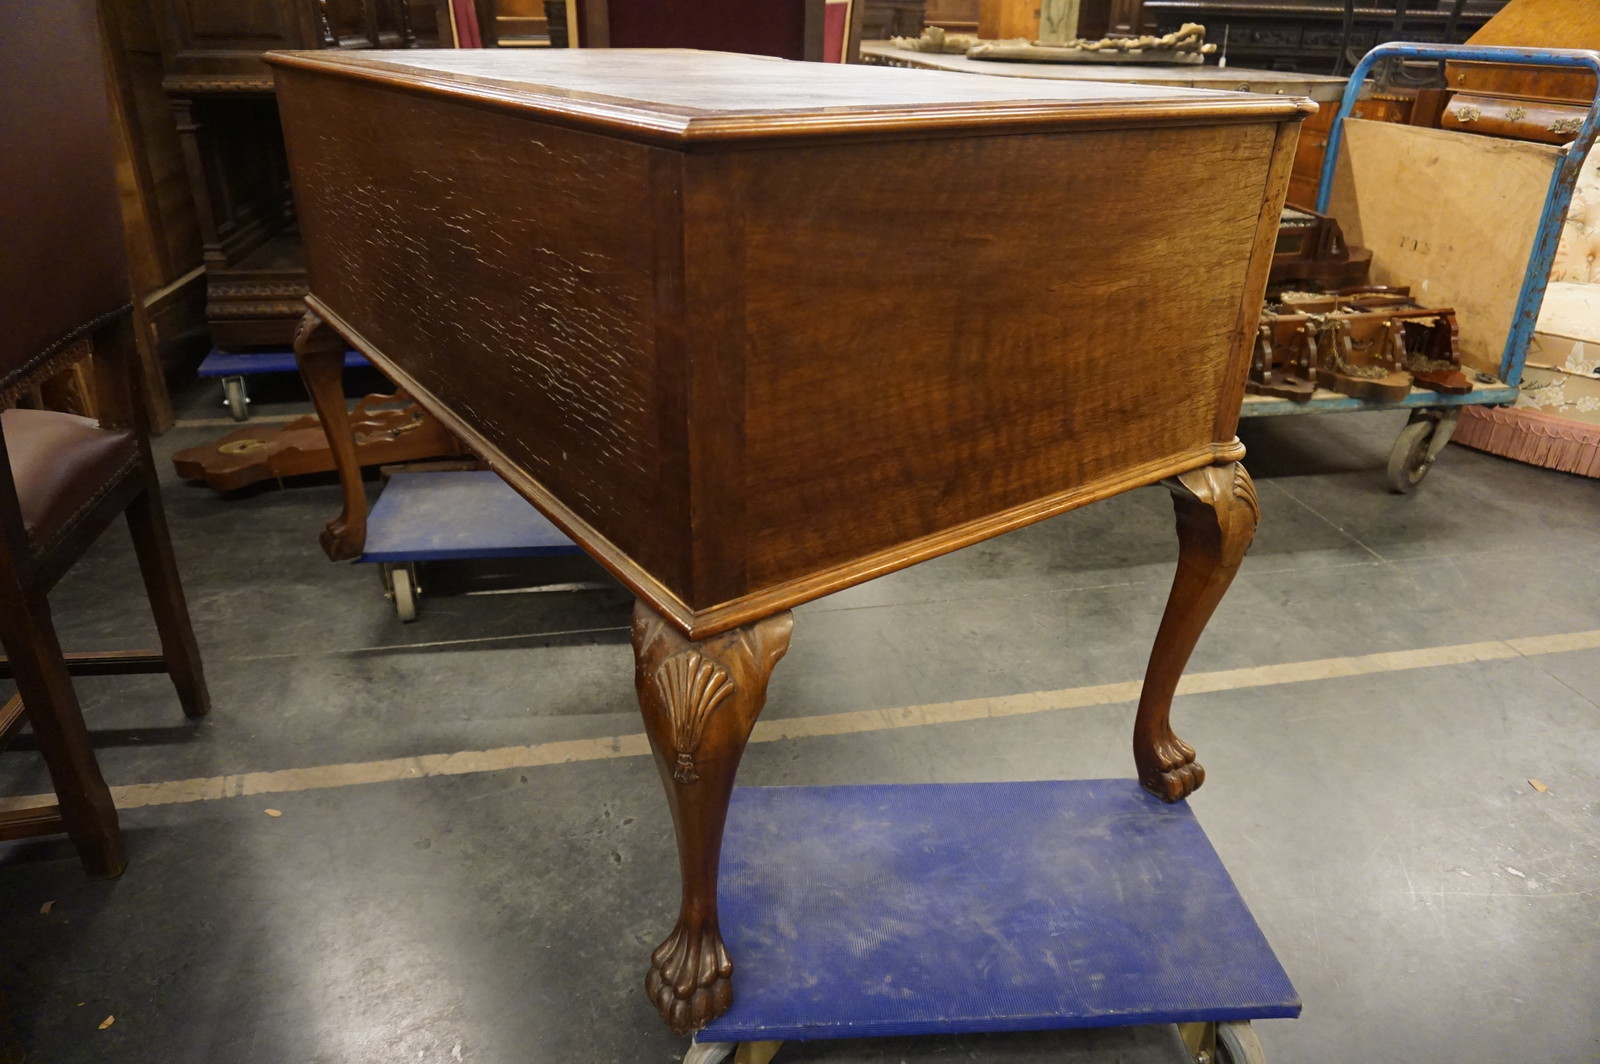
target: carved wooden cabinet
221 94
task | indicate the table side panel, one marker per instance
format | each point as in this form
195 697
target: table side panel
512 270
941 330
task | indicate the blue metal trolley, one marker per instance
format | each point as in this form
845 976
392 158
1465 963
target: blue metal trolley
1433 416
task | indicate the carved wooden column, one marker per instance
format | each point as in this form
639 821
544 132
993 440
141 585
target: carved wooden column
1217 516
699 700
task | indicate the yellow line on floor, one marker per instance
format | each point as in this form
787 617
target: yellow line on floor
228 422
320 777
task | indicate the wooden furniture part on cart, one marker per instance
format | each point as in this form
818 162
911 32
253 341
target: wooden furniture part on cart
1307 34
1311 249
616 309
1005 19
383 429
1525 102
1520 102
814 30
221 95
64 479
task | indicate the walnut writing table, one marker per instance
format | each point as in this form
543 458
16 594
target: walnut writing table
752 331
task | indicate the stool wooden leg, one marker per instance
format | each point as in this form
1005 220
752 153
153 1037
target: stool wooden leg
52 707
1217 516
319 352
699 700
147 522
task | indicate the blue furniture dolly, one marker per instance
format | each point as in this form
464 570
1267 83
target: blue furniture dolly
451 516
869 911
233 368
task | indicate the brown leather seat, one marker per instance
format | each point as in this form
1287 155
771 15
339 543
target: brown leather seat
61 463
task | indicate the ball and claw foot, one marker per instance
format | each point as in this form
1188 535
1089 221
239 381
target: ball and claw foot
691 979
1172 774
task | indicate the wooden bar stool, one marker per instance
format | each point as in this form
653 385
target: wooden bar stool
64 479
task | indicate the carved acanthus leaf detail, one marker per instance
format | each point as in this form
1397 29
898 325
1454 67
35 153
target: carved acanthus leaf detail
1244 489
690 686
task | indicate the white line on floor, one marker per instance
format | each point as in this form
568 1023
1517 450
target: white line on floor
318 777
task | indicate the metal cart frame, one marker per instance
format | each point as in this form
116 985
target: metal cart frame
1433 415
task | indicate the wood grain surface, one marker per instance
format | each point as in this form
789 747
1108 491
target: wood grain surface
746 375
510 271
913 363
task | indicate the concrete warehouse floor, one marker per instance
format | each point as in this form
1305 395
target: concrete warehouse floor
1376 813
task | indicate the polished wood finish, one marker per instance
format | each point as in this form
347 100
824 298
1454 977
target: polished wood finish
759 474
697 308
1217 517
1534 24
319 352
700 700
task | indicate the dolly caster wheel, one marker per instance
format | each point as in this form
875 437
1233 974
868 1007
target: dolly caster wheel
1419 444
400 587
1237 1044
235 399
731 1052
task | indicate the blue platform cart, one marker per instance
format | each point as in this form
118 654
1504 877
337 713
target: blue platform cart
939 909
454 516
233 368
1433 415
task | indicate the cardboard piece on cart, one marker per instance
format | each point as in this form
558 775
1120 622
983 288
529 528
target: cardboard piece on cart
1452 215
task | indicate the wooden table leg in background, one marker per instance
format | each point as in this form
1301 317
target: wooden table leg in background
319 352
700 700
1217 516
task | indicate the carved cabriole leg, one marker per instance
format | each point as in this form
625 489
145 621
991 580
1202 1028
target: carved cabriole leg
319 352
1217 516
699 700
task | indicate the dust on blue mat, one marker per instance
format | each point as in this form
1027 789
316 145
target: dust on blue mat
441 516
957 908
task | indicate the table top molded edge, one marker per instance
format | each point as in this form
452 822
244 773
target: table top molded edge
684 127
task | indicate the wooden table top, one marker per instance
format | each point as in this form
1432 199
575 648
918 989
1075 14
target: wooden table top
1323 88
682 94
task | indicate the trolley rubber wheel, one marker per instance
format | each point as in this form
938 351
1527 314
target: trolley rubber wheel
1409 461
1237 1044
405 594
234 399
